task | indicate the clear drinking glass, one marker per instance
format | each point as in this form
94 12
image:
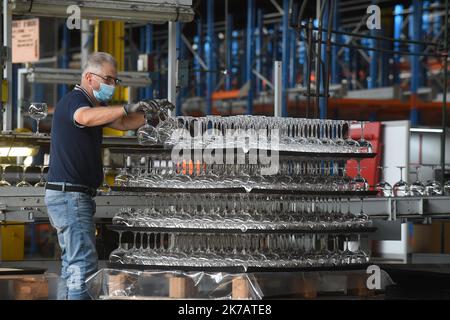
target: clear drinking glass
359 183
24 183
147 135
3 182
364 145
384 188
446 188
105 186
38 111
417 188
401 188
41 182
433 187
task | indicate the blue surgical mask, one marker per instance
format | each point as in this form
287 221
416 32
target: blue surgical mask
105 93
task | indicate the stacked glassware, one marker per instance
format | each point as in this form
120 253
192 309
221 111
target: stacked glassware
243 192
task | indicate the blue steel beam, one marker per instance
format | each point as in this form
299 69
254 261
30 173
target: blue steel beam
229 48
293 59
180 56
149 50
426 28
249 54
209 51
398 21
198 74
323 55
236 58
285 59
374 55
336 70
415 30
258 48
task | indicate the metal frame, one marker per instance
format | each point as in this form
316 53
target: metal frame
7 43
27 205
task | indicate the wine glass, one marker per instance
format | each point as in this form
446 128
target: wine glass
433 187
38 111
384 188
23 182
123 178
401 188
359 183
353 145
41 182
417 189
105 187
364 145
3 182
147 135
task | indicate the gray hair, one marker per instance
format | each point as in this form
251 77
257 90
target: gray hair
96 60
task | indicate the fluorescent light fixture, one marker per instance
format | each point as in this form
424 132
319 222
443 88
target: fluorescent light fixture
17 151
155 11
425 130
69 76
28 161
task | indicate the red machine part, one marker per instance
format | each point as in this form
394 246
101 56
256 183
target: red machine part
369 167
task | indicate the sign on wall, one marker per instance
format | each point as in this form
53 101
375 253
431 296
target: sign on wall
25 41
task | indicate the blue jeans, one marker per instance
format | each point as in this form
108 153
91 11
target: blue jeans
72 215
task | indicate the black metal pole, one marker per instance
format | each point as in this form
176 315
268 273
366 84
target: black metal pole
368 36
1 69
328 51
392 52
318 58
444 102
302 10
308 66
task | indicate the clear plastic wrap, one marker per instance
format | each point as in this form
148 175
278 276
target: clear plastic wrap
24 286
135 284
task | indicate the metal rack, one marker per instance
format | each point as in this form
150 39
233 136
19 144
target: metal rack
27 204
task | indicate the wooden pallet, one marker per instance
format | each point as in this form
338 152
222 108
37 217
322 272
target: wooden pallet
302 286
28 287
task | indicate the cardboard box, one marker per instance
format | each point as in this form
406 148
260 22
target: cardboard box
425 238
31 288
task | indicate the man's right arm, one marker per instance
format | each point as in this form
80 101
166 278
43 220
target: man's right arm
98 116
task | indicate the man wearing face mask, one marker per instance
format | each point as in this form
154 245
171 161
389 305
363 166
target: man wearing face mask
76 169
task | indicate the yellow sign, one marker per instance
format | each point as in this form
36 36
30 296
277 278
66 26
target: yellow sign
25 40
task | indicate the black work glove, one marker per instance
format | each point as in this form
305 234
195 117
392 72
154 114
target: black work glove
130 108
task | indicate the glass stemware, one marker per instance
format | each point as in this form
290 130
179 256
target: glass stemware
38 111
147 135
446 188
433 187
3 182
364 145
123 178
384 188
23 182
359 183
401 188
105 186
41 182
417 188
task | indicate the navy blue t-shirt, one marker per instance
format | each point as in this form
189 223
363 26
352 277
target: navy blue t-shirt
75 151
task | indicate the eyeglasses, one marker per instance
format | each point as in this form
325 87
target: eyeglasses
109 79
